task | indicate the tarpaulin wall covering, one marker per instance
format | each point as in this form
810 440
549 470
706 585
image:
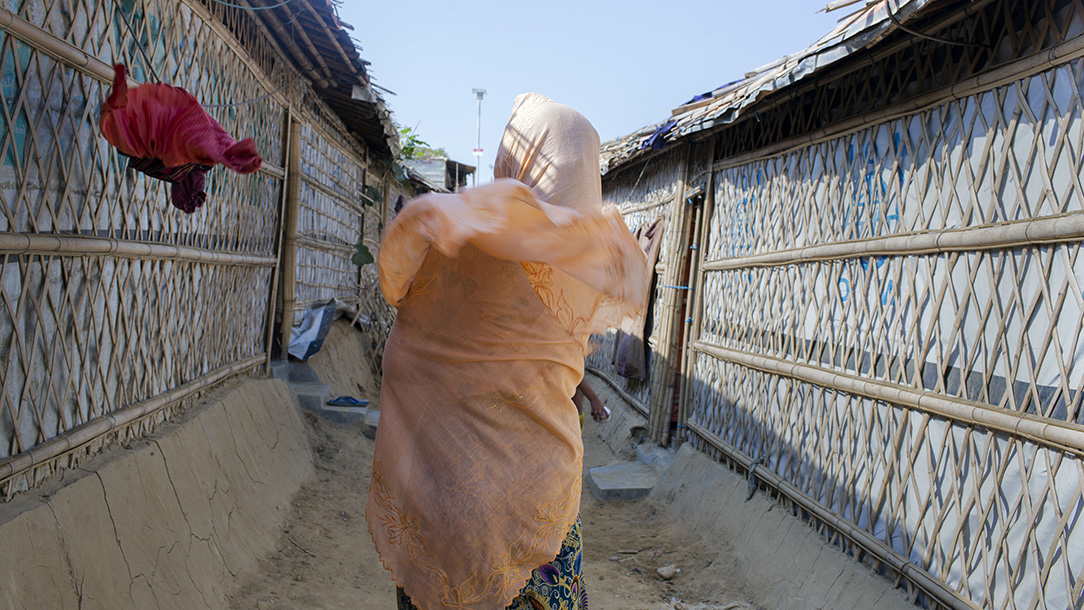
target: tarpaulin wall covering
114 306
928 395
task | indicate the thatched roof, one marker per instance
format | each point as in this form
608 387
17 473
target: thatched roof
863 29
310 33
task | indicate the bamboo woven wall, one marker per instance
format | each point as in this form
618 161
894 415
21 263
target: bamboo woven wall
330 217
902 367
642 194
336 209
115 308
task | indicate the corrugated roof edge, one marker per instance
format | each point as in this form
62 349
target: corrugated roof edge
864 29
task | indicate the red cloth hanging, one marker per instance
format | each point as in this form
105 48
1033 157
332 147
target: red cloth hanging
164 127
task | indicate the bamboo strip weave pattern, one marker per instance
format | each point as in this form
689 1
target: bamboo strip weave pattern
137 299
994 516
642 194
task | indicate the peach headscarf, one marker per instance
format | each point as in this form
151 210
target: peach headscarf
478 459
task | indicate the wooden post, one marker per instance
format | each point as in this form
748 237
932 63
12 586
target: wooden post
687 320
289 238
676 322
274 305
386 206
662 369
692 329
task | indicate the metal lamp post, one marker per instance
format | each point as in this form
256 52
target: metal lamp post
478 149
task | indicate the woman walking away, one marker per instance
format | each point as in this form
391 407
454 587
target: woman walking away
475 495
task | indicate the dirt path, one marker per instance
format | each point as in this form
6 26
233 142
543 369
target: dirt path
325 559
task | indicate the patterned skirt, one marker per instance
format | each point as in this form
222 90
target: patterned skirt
557 585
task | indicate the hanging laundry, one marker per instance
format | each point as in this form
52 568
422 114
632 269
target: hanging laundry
167 135
630 350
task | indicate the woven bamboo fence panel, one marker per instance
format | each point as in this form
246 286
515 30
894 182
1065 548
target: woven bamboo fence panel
642 194
337 208
374 315
374 215
111 301
887 351
330 219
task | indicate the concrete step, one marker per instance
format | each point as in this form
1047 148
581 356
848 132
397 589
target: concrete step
293 372
345 414
622 481
372 418
313 395
657 457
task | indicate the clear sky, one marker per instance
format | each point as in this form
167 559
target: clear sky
622 64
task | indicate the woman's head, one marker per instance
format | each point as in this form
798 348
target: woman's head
553 149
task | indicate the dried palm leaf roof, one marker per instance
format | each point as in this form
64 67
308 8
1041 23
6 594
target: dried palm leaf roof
310 33
861 30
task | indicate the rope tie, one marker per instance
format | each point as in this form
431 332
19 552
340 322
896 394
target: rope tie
752 479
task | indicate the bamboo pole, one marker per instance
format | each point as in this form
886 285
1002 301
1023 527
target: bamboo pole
1016 70
273 306
272 170
640 207
629 398
869 543
691 301
1053 433
696 278
54 47
337 197
699 304
1047 230
676 322
289 239
329 77
74 57
80 245
331 36
77 438
692 329
665 334
281 35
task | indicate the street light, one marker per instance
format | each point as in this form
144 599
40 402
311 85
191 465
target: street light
478 149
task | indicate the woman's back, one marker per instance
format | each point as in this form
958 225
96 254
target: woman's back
478 434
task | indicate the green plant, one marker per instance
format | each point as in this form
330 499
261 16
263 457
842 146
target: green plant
362 255
373 196
414 147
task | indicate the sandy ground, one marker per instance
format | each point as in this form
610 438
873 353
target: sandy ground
326 560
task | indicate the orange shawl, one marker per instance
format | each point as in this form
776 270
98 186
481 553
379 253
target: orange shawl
478 459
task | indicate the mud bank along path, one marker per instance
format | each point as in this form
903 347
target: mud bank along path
325 559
